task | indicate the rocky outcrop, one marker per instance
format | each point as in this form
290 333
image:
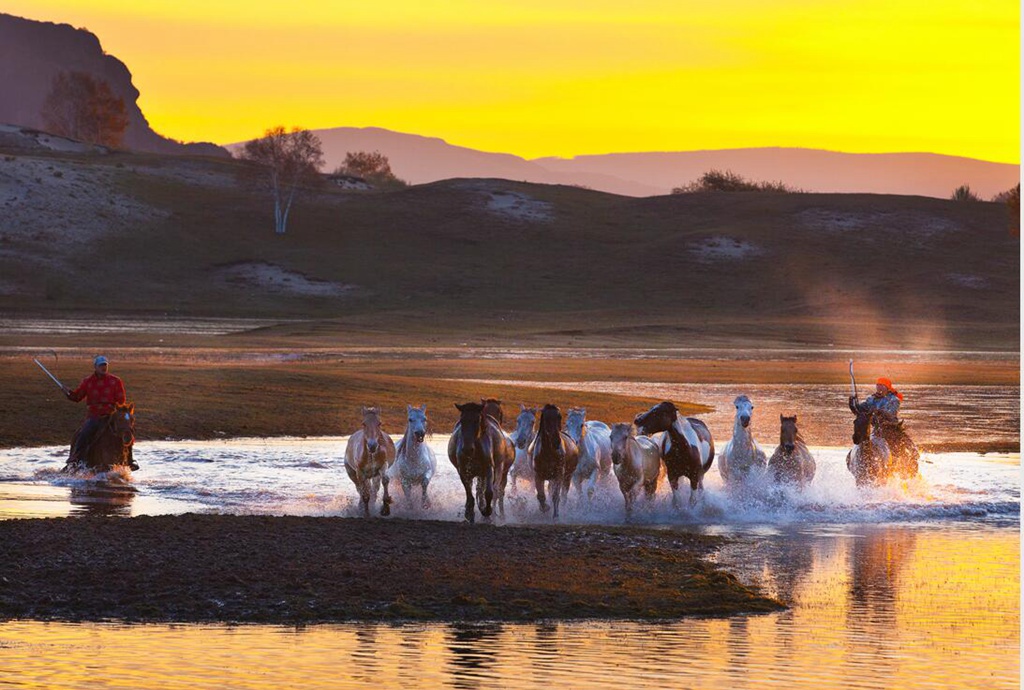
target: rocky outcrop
32 53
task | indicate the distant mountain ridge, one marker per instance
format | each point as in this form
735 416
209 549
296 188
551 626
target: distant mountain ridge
32 53
419 159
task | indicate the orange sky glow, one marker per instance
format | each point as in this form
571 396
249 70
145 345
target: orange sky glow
567 77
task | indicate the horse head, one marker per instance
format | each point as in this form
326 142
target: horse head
744 410
574 423
373 434
525 423
492 408
788 433
471 424
621 433
122 421
862 424
550 425
418 423
661 417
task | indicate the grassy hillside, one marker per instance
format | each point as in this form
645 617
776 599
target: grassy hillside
499 261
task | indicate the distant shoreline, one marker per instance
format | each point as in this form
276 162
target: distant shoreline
290 570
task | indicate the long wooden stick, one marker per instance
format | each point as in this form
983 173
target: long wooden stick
853 381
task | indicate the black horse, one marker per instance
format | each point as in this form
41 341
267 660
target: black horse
687 448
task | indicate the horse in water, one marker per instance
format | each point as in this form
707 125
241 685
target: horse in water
870 460
111 445
480 450
791 462
636 461
554 457
903 453
492 408
415 463
687 448
368 455
595 445
521 438
741 458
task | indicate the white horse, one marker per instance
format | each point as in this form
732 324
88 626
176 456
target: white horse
522 437
637 462
595 444
368 455
742 459
415 462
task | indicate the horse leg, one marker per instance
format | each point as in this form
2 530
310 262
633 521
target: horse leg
407 491
488 491
592 486
539 483
364 496
385 508
556 495
696 485
426 501
674 483
467 484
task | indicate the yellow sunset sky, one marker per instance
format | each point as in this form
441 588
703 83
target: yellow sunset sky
567 77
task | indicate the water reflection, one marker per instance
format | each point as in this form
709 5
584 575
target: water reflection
101 501
473 650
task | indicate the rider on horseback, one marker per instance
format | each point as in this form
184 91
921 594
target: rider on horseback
102 392
884 405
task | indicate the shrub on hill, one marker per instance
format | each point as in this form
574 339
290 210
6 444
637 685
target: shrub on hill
728 181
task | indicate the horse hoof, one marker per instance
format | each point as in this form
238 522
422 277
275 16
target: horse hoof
486 511
385 510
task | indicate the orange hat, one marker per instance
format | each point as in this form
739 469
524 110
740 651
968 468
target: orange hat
883 381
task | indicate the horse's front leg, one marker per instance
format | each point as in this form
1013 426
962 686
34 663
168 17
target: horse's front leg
488 491
467 484
674 483
556 493
385 508
364 496
426 501
696 489
539 483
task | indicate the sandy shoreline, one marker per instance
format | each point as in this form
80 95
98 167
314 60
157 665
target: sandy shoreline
206 568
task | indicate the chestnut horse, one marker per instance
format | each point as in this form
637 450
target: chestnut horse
479 449
554 456
791 462
687 448
636 461
368 455
111 445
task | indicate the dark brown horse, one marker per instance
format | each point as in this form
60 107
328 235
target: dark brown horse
480 450
554 456
111 445
492 408
792 462
687 448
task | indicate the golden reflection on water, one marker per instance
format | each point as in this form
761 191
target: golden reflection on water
872 607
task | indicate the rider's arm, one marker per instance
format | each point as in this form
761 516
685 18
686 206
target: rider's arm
78 393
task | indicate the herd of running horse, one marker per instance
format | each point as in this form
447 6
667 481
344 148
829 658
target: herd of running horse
554 456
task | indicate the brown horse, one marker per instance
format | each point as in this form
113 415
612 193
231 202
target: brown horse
791 462
480 450
368 455
687 448
554 456
111 446
637 463
492 408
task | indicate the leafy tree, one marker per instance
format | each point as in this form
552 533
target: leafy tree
286 162
964 193
82 107
728 181
373 167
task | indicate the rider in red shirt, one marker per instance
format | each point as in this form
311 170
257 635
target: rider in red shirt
101 391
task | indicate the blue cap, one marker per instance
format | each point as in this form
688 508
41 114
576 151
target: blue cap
100 359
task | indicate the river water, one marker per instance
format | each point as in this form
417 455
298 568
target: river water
912 585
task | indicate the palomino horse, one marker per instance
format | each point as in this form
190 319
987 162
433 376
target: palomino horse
595 444
479 449
791 462
742 458
687 449
521 438
415 462
869 461
637 462
554 456
111 445
368 455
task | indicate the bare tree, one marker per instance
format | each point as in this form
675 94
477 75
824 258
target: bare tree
82 107
289 161
373 167
964 193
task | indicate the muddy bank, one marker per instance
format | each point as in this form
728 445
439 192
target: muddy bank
199 568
